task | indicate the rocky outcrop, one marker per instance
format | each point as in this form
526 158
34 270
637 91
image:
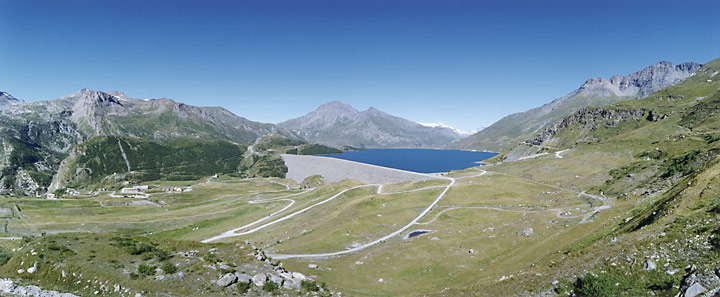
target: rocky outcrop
699 282
642 83
9 288
283 278
591 119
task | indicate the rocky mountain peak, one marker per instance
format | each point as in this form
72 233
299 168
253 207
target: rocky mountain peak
373 110
7 100
639 84
338 124
91 96
688 67
7 97
336 107
594 81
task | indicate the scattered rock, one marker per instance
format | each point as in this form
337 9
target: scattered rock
650 265
312 266
527 232
298 275
227 280
671 271
694 290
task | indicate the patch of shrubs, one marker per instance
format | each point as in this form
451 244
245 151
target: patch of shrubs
5 257
147 251
710 138
168 268
212 258
53 246
271 287
682 164
146 270
242 288
309 286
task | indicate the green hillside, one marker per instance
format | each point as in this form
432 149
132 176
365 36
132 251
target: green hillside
518 127
665 191
126 158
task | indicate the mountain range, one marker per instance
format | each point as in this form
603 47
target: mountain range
35 137
338 124
518 127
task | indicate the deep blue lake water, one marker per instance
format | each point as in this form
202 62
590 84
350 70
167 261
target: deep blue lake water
417 160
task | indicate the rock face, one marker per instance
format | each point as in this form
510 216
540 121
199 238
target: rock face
338 124
590 119
36 136
597 92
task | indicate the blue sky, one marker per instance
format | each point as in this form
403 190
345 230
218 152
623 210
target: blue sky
465 63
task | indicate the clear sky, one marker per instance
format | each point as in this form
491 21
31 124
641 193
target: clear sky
465 63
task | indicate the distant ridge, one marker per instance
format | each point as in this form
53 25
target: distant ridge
519 127
338 124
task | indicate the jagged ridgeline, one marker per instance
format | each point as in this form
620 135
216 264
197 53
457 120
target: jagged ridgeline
597 92
111 158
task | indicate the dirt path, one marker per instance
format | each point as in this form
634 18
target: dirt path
384 238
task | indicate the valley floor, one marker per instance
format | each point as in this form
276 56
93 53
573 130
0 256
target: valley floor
483 226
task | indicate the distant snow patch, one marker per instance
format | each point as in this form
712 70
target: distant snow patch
456 130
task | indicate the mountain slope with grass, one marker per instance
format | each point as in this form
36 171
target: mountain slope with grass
657 232
337 124
36 136
515 128
140 160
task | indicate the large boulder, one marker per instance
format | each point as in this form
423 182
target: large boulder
292 284
259 279
276 279
650 265
227 280
696 282
244 278
694 290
